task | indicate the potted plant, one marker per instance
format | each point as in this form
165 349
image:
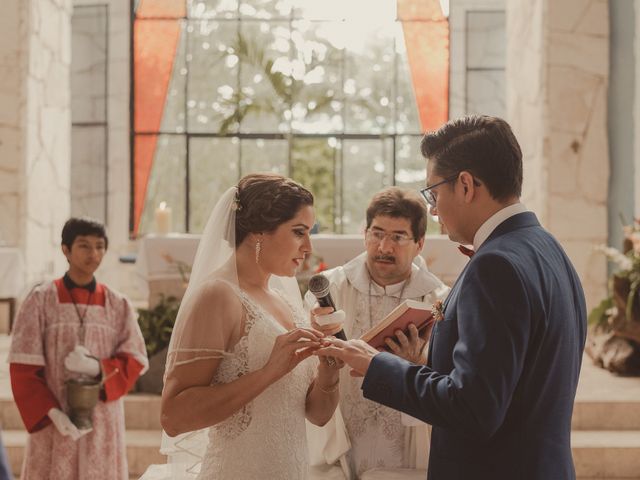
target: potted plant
614 325
156 325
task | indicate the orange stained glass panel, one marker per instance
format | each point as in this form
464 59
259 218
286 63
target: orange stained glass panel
155 44
161 8
144 148
420 10
427 44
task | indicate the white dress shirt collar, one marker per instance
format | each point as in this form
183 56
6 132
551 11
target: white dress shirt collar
494 220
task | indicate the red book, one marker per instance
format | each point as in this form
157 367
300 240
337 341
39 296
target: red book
409 311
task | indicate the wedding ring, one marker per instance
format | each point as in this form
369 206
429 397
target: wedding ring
331 361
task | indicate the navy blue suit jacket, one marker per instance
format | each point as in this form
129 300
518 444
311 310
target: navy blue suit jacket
503 364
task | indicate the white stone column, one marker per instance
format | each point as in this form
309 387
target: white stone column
35 56
557 74
13 64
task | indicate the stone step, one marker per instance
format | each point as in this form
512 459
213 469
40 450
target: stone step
606 415
142 449
597 454
606 454
142 412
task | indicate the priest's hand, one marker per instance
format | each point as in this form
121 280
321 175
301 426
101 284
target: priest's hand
326 319
64 425
80 360
411 347
355 353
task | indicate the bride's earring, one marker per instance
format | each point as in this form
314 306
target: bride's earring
258 249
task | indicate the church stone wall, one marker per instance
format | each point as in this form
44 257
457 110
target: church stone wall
557 71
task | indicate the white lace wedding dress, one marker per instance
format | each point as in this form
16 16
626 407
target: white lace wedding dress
267 438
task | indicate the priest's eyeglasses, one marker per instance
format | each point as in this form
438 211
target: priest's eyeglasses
399 239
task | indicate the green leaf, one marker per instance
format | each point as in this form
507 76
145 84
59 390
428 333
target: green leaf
156 324
633 291
598 315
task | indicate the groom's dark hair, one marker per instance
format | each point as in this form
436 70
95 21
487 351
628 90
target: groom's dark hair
481 145
265 201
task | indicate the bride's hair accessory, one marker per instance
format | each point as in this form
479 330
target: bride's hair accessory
268 201
236 205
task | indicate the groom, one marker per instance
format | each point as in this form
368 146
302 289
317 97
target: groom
504 356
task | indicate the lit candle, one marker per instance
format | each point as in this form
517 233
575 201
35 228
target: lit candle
163 219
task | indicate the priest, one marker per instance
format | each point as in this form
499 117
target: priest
366 289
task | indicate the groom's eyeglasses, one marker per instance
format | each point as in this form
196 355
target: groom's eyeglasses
430 196
428 193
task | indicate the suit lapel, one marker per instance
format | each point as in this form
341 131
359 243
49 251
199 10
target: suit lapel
521 220
453 293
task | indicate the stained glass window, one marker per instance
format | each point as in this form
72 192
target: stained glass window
334 94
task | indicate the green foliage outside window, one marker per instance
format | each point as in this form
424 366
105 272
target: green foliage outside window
312 166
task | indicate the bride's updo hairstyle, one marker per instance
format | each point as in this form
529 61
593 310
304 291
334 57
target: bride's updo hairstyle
265 201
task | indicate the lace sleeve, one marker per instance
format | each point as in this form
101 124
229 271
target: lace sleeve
208 326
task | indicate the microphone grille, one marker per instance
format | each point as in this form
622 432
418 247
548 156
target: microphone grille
319 285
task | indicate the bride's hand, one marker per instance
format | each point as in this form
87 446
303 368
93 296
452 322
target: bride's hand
290 349
328 366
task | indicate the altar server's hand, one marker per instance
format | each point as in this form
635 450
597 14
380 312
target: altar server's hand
64 425
411 348
80 360
326 319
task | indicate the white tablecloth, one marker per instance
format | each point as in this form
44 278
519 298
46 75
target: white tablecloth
159 257
157 254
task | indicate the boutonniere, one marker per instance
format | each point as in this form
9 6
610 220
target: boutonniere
436 310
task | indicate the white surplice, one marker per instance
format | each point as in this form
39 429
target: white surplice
378 435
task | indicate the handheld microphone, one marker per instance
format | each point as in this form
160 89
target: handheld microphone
319 286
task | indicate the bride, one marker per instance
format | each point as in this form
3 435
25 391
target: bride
240 359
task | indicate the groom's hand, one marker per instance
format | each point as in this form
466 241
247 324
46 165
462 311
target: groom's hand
355 353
